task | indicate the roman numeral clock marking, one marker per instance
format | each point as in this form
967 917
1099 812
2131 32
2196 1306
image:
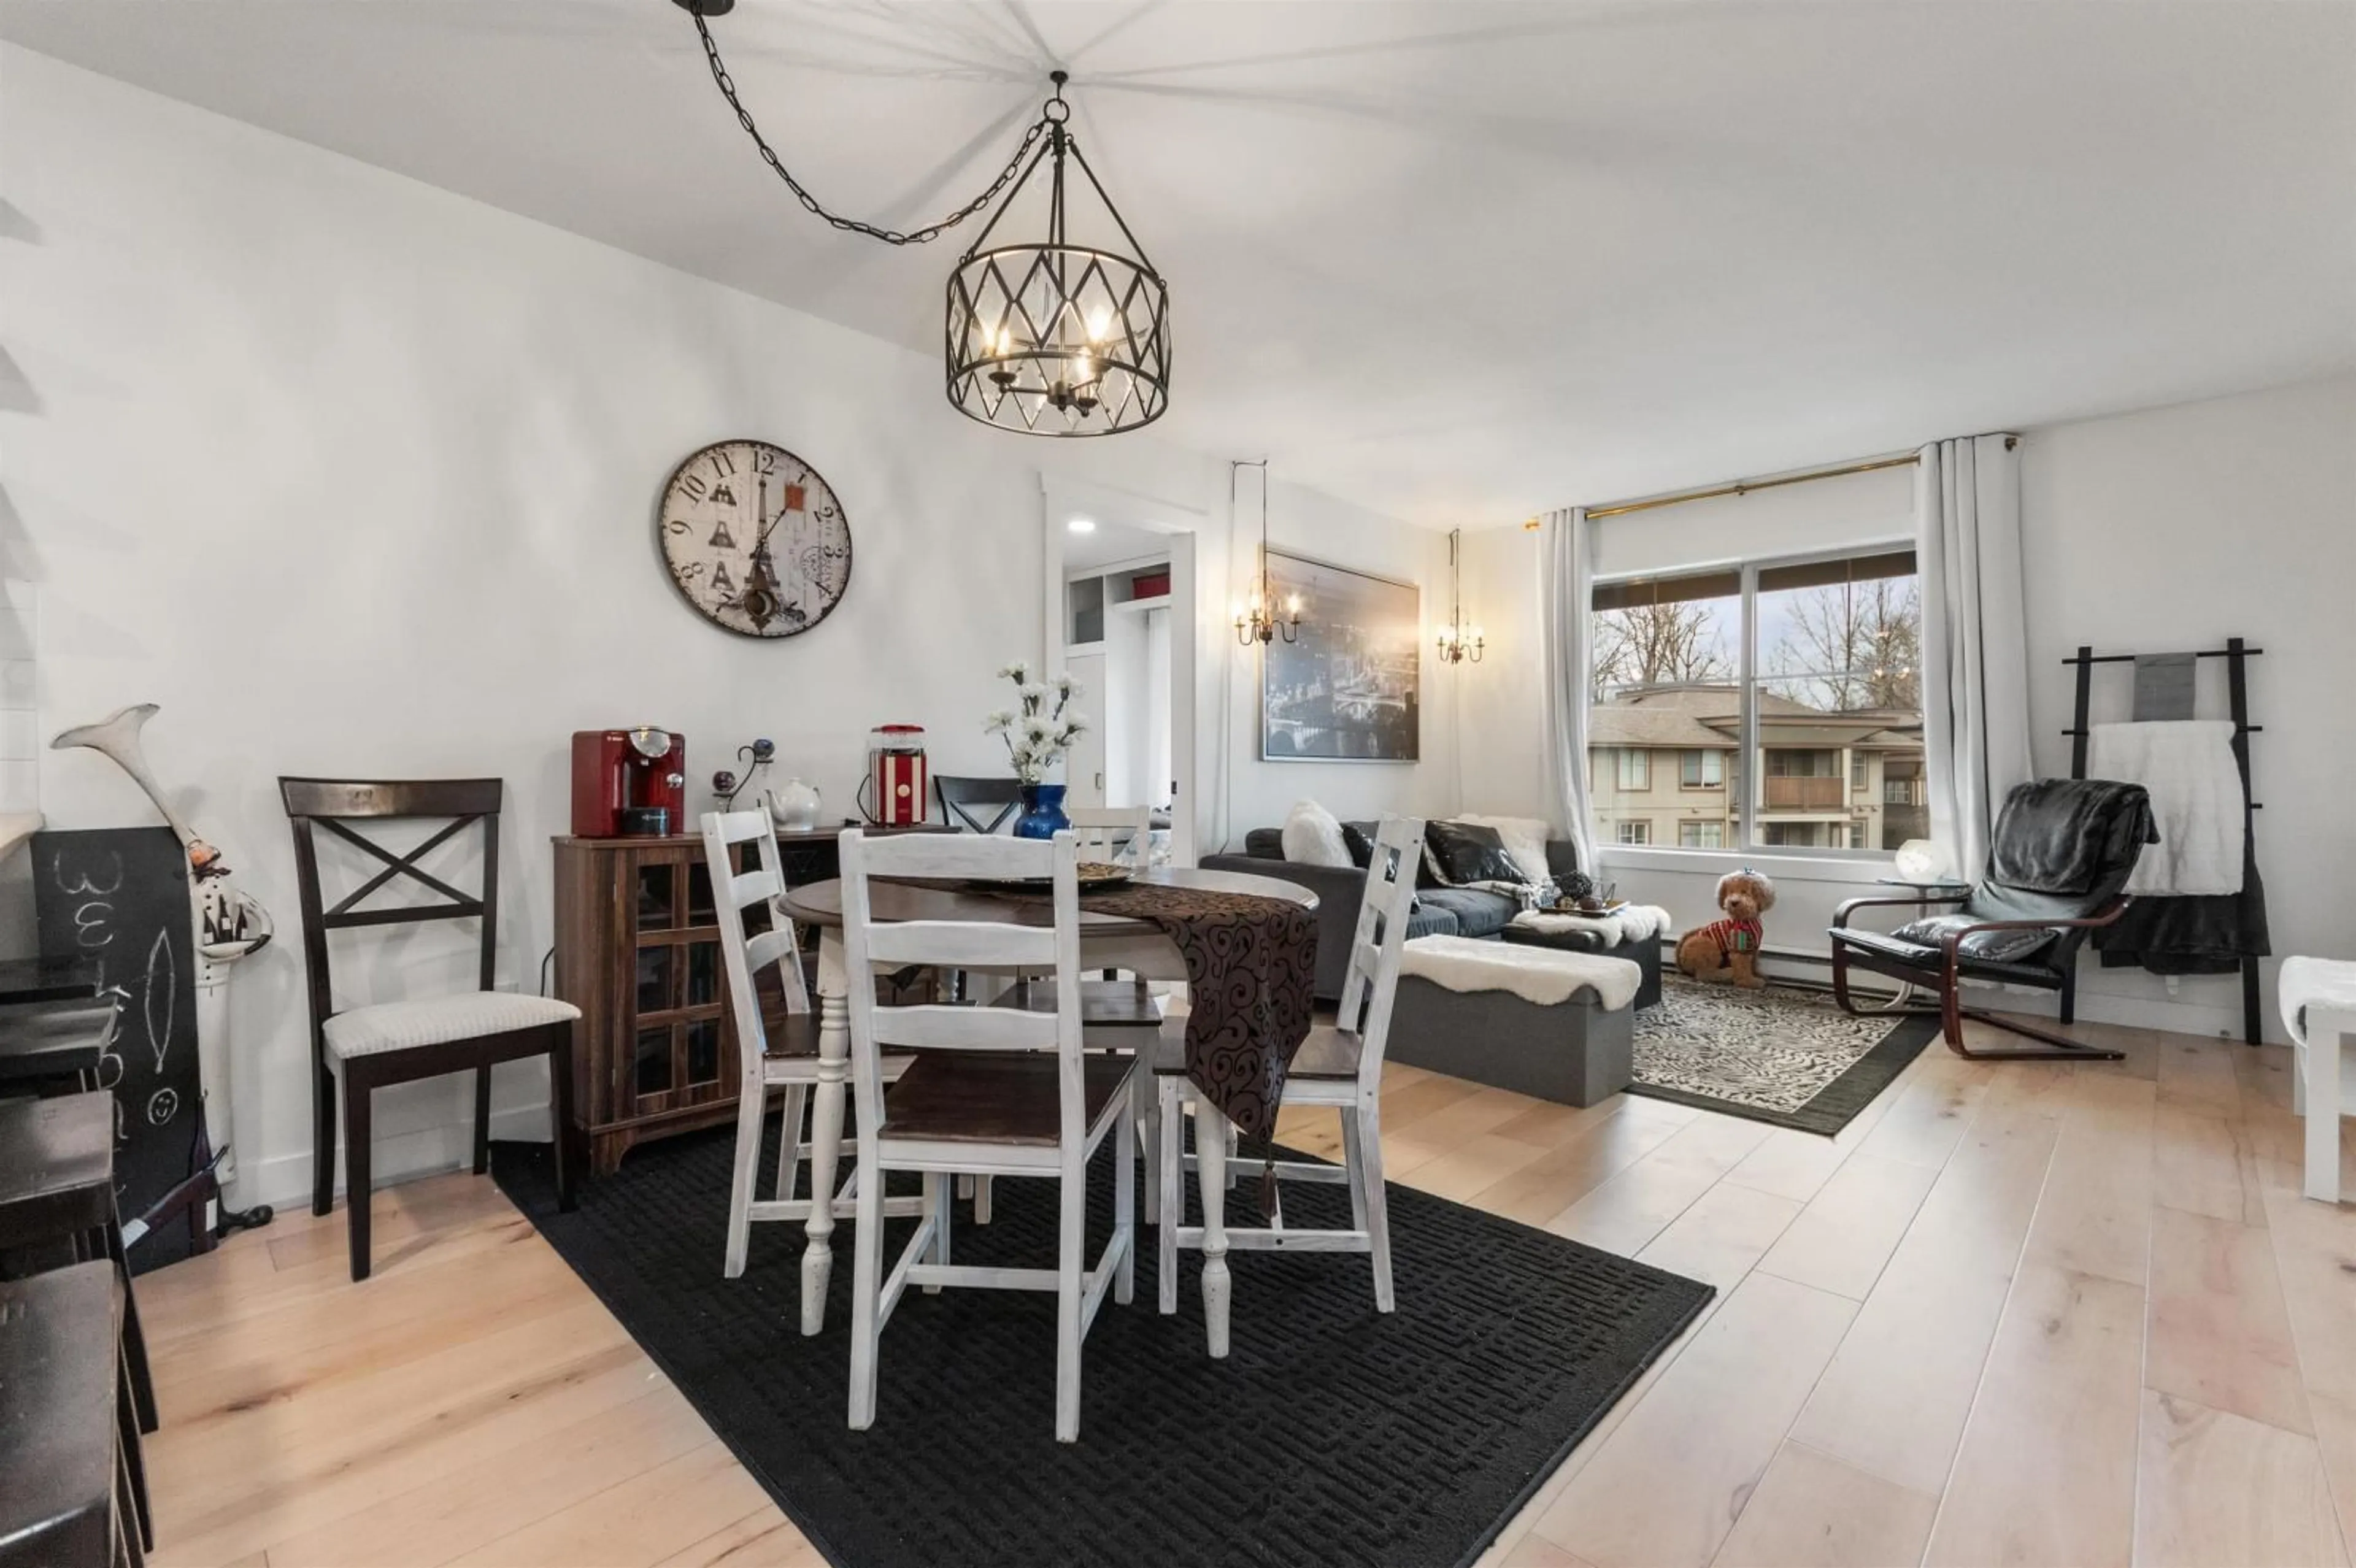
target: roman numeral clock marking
755 538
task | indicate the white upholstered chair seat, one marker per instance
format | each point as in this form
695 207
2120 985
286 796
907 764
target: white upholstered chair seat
435 1020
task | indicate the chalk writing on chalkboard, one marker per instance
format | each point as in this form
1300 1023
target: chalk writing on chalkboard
120 896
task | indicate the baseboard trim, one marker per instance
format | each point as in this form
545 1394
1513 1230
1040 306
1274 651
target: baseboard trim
2220 1020
285 1181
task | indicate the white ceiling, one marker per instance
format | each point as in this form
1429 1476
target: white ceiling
1454 260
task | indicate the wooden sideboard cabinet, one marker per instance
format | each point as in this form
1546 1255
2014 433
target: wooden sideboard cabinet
638 951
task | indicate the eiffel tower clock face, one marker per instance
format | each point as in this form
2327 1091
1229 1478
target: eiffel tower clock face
755 539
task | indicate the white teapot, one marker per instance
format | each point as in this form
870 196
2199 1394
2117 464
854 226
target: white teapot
795 806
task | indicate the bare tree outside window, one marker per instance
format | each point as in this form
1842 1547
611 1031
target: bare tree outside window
1675 643
1848 647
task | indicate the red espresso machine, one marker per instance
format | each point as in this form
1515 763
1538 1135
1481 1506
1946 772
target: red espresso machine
628 783
896 791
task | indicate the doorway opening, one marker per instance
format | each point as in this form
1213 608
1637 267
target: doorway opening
1120 584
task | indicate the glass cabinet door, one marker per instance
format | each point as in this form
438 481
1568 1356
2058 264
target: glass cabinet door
658 895
650 1061
680 1042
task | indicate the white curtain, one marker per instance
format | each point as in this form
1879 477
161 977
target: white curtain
1566 586
1974 638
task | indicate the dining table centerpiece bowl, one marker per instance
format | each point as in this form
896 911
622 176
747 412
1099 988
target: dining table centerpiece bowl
1037 735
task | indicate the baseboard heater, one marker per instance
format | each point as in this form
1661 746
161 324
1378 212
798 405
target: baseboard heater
1783 958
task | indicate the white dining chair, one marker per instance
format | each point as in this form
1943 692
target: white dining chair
1116 1012
1339 1065
769 1057
1005 1091
1122 834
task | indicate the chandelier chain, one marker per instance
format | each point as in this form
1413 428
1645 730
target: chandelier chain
931 232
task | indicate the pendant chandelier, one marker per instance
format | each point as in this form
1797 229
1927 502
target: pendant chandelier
1259 621
1458 641
1066 333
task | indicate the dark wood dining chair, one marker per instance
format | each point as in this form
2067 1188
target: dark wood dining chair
977 806
66 1457
57 1207
398 1042
56 1046
48 980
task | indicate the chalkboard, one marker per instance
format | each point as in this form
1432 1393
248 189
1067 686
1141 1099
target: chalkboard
119 895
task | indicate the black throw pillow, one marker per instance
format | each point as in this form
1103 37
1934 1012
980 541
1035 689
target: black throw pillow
1462 853
1358 838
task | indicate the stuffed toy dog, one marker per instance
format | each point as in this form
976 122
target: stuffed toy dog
1728 950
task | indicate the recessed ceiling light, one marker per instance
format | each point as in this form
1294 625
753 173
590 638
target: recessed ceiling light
1082 524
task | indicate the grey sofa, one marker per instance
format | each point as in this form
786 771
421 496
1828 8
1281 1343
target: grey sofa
1453 911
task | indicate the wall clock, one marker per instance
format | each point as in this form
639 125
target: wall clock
756 541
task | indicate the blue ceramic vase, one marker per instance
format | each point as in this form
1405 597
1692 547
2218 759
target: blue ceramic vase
1043 811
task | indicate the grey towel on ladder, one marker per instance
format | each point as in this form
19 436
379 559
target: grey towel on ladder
2163 686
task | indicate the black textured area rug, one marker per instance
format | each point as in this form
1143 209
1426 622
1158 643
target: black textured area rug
1783 1055
1332 1434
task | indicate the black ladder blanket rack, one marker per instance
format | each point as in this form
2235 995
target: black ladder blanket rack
2236 655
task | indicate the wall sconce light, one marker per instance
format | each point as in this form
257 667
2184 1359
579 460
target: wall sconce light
1259 621
1458 641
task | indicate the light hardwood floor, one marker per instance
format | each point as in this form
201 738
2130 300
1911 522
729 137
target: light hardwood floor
2015 1313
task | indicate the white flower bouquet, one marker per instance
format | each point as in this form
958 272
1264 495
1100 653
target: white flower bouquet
1038 732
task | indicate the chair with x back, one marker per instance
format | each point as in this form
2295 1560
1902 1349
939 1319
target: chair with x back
370 1046
977 804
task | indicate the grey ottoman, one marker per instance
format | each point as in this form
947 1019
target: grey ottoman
1576 1051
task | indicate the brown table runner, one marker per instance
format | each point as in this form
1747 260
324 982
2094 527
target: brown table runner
1251 971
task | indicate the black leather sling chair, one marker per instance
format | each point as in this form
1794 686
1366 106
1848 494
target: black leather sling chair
2057 868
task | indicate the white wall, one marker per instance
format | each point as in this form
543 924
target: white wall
2178 528
2167 529
356 477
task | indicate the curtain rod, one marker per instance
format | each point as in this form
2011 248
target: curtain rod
1744 486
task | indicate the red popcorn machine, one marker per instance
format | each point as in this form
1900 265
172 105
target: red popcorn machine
896 793
628 783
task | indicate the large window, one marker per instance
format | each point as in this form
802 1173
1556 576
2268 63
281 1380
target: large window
1805 673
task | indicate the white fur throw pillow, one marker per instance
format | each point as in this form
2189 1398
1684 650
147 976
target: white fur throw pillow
1525 839
1313 837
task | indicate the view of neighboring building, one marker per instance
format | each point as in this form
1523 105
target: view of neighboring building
1666 766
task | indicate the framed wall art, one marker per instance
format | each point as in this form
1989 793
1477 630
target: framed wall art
1349 688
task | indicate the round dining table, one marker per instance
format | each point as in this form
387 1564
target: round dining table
1107 941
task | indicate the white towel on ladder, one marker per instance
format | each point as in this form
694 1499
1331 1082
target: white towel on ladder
2196 801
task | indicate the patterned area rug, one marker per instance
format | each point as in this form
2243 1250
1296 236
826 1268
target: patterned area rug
1781 1055
1332 1434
